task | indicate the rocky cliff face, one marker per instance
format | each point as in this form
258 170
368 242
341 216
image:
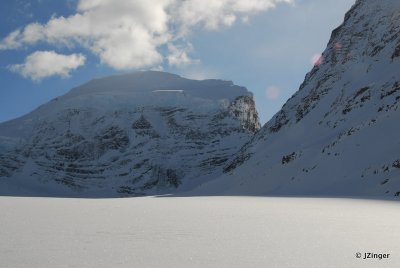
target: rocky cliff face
143 133
340 133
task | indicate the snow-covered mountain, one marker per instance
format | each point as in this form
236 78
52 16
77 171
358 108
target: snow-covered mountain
153 132
339 134
141 133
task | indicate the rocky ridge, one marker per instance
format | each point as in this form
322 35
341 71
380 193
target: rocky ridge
339 133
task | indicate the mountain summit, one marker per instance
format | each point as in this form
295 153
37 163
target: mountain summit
141 133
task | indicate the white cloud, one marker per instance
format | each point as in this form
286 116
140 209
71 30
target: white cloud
178 55
129 34
42 64
213 14
11 41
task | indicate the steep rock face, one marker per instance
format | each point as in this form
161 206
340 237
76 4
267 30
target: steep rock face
339 134
143 133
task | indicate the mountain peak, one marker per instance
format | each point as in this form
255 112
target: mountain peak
148 82
132 134
339 133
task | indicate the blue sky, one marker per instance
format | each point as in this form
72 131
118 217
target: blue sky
48 47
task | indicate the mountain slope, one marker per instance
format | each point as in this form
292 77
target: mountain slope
135 134
339 134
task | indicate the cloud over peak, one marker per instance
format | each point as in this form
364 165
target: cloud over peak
131 34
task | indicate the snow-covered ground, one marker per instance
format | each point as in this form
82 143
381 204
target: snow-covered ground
197 232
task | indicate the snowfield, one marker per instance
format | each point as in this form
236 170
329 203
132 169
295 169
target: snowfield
197 232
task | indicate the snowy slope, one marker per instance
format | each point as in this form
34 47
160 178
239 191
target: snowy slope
140 133
340 133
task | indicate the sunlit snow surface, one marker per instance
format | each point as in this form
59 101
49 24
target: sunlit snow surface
197 232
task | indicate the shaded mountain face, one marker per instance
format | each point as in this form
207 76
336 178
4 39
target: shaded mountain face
339 134
142 133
